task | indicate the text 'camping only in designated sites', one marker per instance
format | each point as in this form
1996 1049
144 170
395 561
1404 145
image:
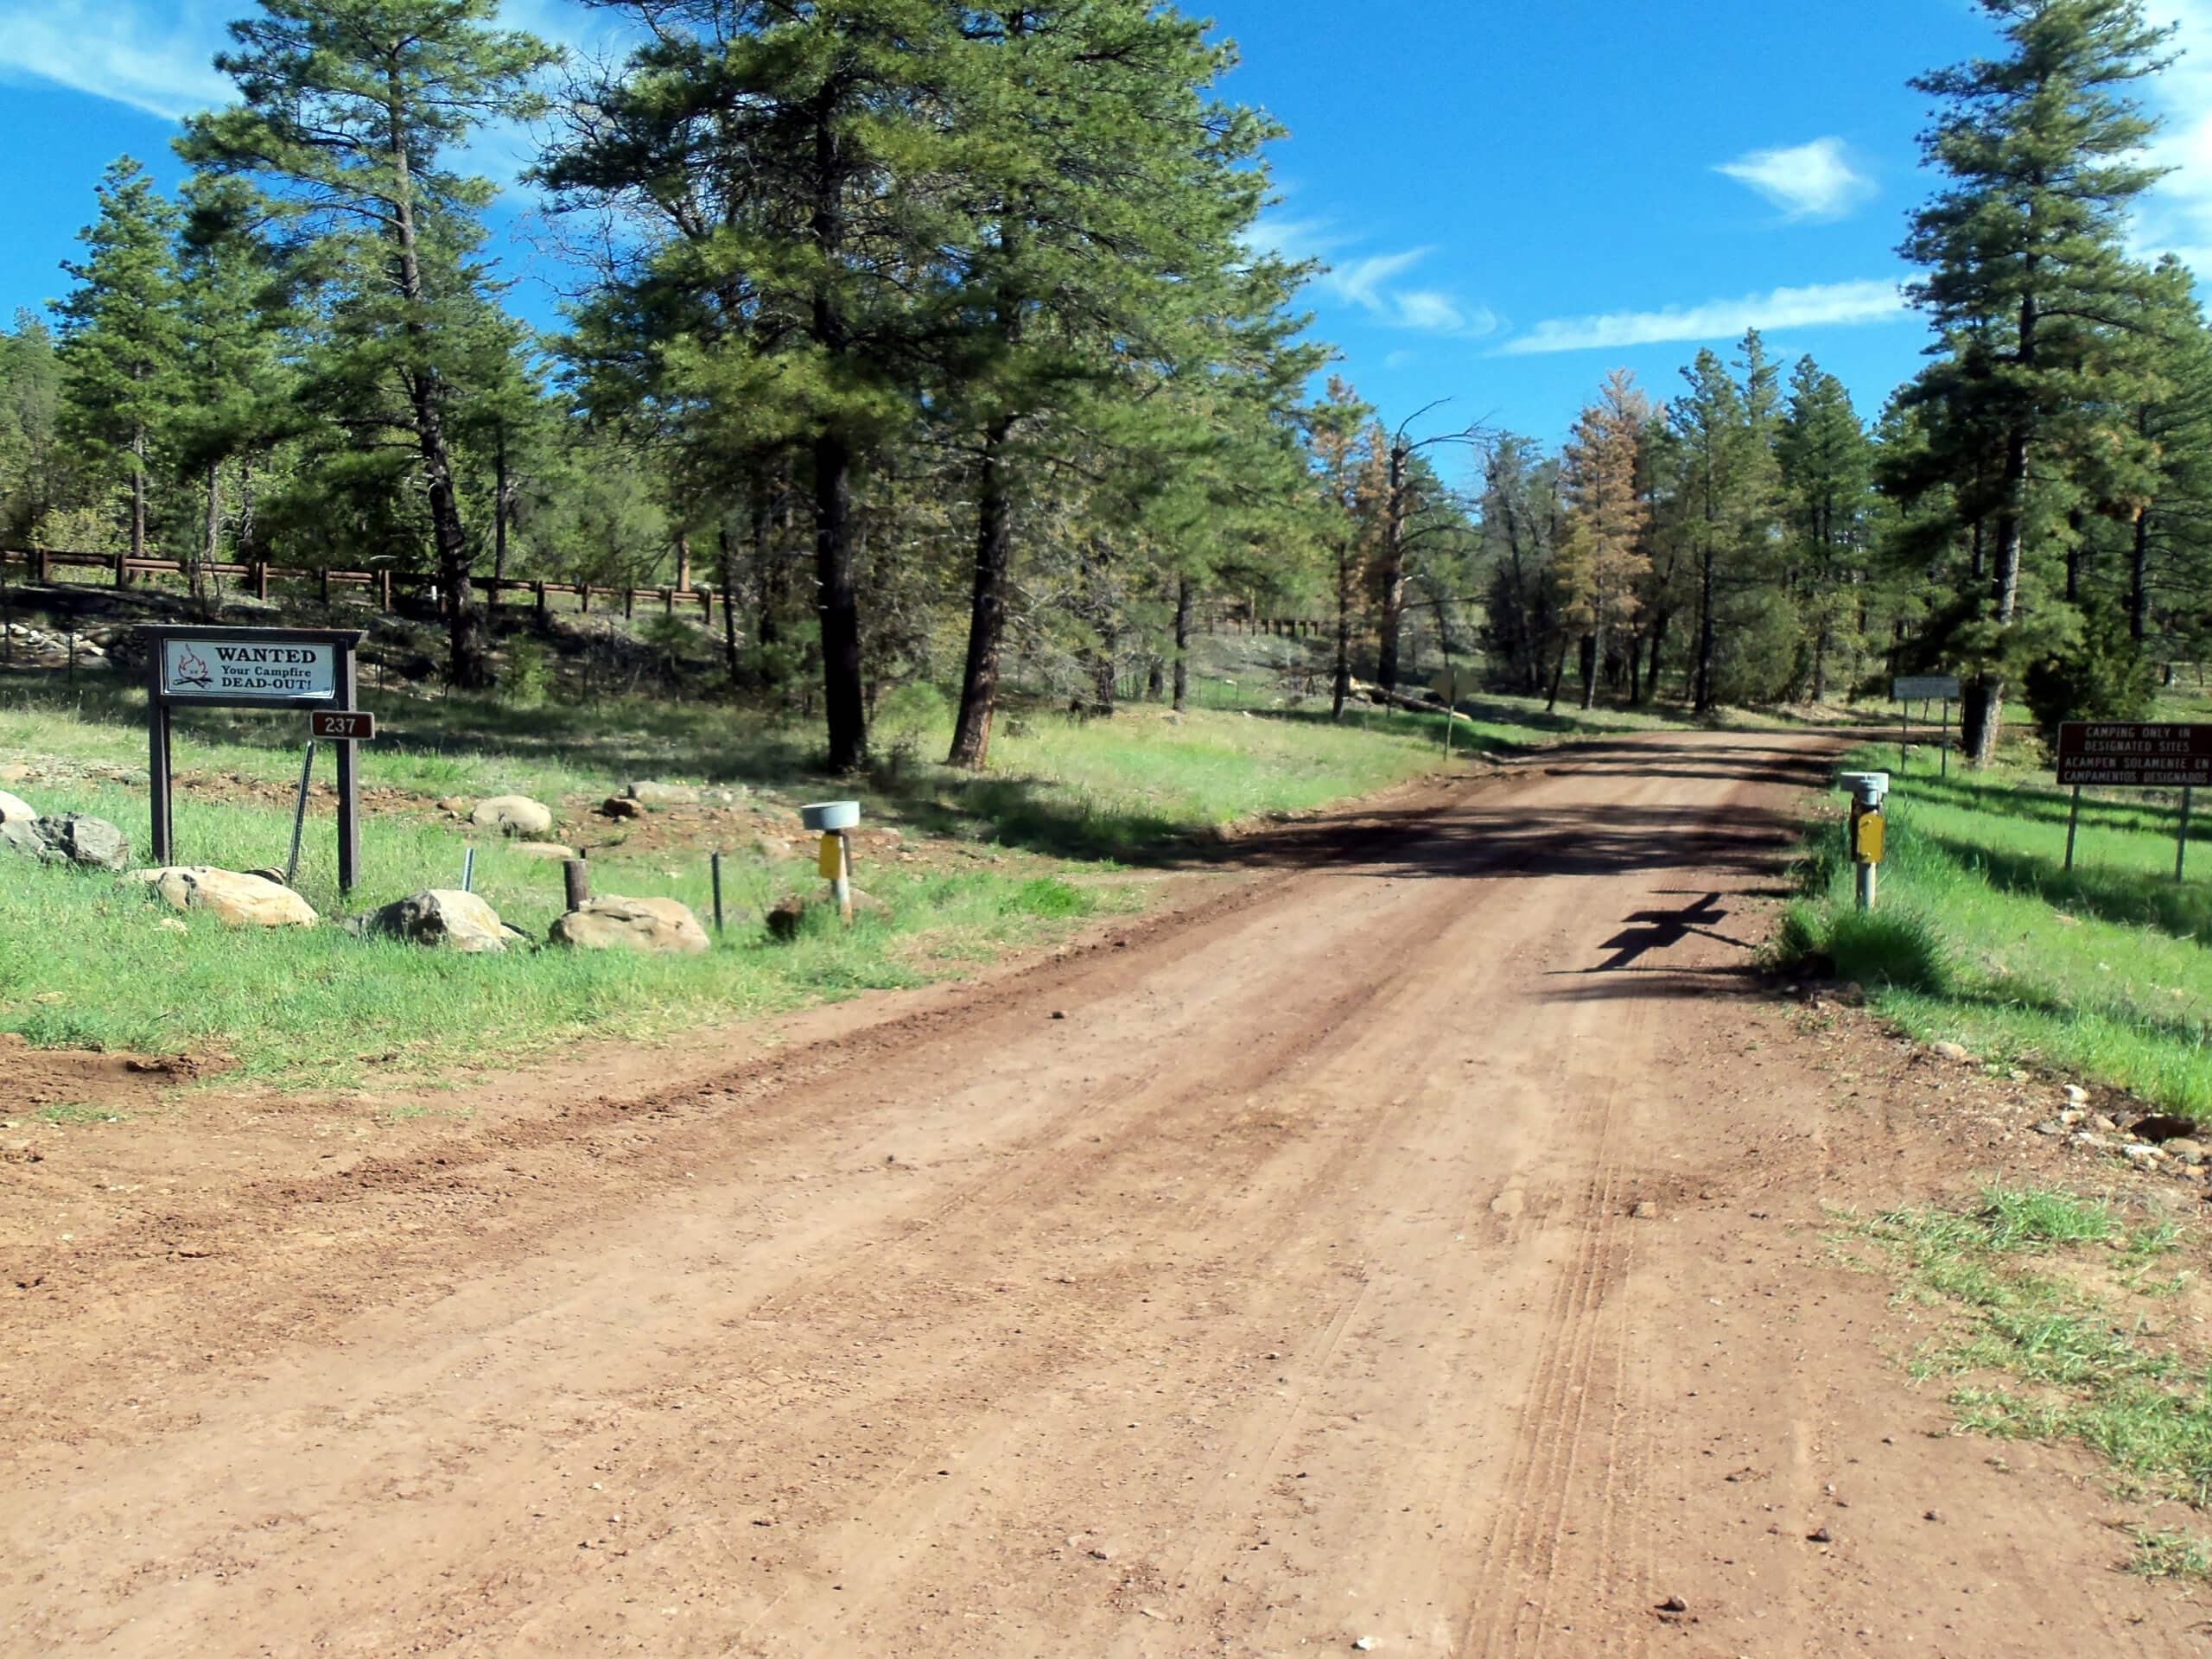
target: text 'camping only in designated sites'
2134 755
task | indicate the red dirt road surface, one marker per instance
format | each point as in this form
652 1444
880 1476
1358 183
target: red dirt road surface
1417 1242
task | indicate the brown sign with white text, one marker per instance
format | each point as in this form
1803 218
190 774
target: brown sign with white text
2134 755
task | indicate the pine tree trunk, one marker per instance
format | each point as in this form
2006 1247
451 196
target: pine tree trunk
979 681
1392 576
1186 592
726 575
683 561
1586 659
210 546
137 500
838 603
1703 701
2138 587
1340 684
1650 689
467 668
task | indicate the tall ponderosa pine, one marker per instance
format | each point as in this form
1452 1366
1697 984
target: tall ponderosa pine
1607 508
347 110
788 167
2030 291
1111 200
1826 464
1729 486
233 302
120 335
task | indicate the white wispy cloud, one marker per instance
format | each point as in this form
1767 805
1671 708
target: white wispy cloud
1370 281
1825 305
1807 181
2176 217
157 59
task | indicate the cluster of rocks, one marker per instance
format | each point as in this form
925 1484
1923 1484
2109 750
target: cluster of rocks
36 647
74 838
2160 1139
58 769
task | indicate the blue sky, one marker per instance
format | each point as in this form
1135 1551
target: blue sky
1515 197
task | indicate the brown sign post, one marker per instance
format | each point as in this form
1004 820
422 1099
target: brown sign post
255 668
2134 755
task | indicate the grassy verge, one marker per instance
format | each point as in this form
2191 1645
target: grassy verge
2056 1320
1985 938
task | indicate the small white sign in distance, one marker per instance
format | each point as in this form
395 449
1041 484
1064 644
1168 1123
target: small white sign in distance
245 668
1926 687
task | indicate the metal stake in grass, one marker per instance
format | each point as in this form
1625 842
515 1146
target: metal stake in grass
299 814
575 877
468 870
715 862
2073 823
2180 840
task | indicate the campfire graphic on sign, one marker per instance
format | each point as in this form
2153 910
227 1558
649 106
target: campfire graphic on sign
190 669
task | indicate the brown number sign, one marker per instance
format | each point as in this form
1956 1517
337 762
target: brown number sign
341 726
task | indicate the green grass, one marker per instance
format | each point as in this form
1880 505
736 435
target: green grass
2170 1554
2026 1290
1983 937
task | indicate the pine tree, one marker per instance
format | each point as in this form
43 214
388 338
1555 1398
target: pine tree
233 307
1607 508
793 167
347 109
2029 288
1112 199
1725 429
119 344
1826 463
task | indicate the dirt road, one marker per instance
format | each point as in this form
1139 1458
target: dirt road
1421 1242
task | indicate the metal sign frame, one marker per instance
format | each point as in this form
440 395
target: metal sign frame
161 702
2133 755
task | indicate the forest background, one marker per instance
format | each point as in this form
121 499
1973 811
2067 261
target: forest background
944 340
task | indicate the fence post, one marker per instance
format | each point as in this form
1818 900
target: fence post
538 587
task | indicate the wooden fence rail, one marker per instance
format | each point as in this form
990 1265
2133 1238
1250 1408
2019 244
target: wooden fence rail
40 565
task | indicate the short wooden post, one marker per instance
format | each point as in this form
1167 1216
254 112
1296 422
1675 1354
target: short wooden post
629 603
575 876
707 604
261 579
583 598
324 576
668 601
538 588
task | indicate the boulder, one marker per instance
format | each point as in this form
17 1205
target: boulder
1953 1052
646 792
72 838
14 809
513 815
439 916
658 926
773 846
231 898
552 850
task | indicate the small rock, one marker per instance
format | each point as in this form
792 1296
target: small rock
1674 1604
2144 1154
14 809
439 916
2103 1120
2077 1095
2092 1142
1645 1211
620 806
2050 1126
552 850
235 900
454 805
650 793
2185 1150
1932 1515
170 924
513 815
1948 1052
2070 1118
656 926
772 846
1365 1645
1820 1536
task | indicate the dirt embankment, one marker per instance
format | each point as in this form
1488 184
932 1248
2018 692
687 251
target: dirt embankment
1420 1241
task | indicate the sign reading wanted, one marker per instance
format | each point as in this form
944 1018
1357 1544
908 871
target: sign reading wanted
2134 755
246 669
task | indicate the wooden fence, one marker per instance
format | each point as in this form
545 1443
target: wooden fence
122 571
